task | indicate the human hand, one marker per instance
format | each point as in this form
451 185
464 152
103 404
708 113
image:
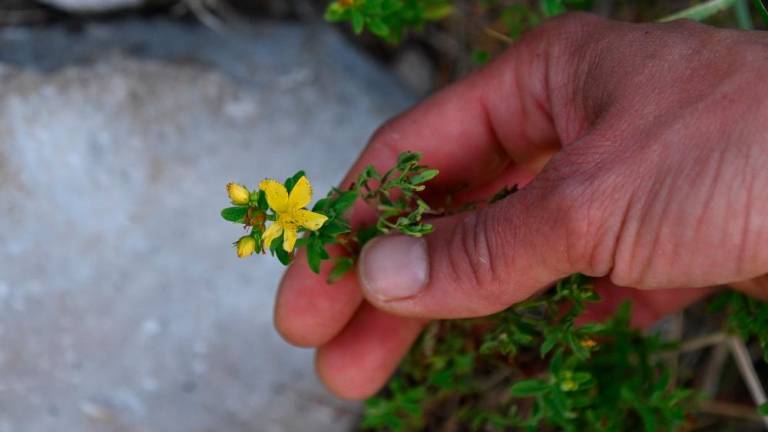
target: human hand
642 150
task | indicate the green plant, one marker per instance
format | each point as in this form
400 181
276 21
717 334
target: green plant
394 194
534 366
531 367
392 19
388 19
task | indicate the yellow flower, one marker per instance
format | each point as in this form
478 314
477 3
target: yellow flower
238 194
290 211
246 246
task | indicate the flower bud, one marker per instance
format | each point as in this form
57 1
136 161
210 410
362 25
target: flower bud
569 385
246 246
238 194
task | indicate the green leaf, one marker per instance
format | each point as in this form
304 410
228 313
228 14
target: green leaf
547 346
261 201
762 8
341 266
358 21
283 256
407 158
344 201
531 387
334 12
424 176
480 57
550 8
701 11
291 181
335 228
438 12
378 27
234 214
416 230
316 253
322 206
364 235
313 257
370 172
763 409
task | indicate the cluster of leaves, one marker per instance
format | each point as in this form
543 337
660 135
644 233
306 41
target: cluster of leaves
746 316
762 9
255 213
531 367
394 195
387 19
391 19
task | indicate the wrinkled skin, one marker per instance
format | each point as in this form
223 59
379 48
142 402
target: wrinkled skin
643 150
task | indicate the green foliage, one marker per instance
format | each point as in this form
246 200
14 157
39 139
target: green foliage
335 206
762 10
393 194
391 19
597 376
531 367
701 11
234 214
534 366
387 19
746 316
763 409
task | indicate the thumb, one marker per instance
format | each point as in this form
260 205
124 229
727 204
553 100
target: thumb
477 263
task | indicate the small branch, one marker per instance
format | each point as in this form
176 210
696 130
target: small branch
675 332
498 35
748 372
713 370
700 12
727 409
744 15
701 342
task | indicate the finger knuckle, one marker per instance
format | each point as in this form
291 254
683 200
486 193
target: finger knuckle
474 260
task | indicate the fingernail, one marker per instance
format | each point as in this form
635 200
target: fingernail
394 267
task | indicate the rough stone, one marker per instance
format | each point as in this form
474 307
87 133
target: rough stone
89 6
122 304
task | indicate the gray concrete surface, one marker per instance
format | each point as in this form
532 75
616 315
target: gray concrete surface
122 304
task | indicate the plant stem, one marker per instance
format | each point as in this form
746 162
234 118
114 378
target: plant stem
702 11
743 15
728 409
498 35
748 372
762 9
701 342
713 370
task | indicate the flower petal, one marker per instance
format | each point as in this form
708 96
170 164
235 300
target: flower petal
277 195
271 233
289 239
301 194
310 220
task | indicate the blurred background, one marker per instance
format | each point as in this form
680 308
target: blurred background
122 304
